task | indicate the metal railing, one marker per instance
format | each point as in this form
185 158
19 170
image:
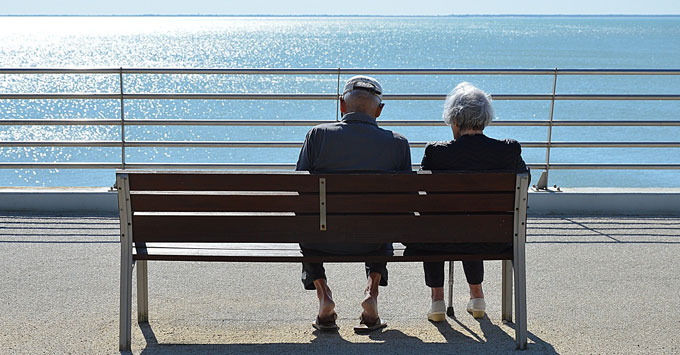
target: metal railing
122 97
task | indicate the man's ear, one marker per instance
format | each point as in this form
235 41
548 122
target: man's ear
342 106
378 111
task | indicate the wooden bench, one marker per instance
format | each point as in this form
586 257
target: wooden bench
261 216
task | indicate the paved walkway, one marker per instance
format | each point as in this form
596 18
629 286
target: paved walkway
595 285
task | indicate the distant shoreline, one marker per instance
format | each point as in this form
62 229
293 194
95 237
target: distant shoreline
331 16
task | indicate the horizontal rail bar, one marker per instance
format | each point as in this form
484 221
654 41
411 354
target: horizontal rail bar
618 71
608 166
231 96
60 96
98 165
281 123
569 97
59 122
59 70
566 123
290 166
601 145
61 165
274 123
62 144
335 71
287 144
208 96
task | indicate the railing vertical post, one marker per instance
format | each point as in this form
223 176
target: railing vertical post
122 119
337 99
543 180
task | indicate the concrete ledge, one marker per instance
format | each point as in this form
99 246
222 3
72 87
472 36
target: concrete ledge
99 200
606 201
572 201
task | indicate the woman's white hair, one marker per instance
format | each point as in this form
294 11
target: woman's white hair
468 107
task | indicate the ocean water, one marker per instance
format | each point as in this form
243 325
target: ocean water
335 42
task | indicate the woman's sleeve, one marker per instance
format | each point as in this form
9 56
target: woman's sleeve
520 165
425 163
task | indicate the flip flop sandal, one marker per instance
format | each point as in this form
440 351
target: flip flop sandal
326 326
364 328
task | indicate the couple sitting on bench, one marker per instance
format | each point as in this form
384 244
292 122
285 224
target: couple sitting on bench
357 144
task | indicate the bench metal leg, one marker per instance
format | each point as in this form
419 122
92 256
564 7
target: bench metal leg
125 298
449 310
142 292
520 303
125 326
506 302
519 261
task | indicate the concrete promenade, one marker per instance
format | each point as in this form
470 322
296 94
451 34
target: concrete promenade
595 285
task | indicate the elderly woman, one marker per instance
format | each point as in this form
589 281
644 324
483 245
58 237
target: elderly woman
468 111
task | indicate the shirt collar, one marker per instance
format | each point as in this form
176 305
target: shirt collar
360 117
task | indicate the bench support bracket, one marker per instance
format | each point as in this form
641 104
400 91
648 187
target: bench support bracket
322 204
506 303
142 292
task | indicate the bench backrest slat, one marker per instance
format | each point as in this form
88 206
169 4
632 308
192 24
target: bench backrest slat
495 228
305 182
309 203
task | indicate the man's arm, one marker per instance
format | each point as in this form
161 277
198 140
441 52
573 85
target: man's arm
406 157
305 159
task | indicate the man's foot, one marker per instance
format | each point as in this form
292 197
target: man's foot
326 304
327 310
370 309
326 325
365 327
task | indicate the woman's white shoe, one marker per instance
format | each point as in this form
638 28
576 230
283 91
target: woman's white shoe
476 307
437 311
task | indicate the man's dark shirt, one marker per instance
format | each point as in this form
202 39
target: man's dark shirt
354 144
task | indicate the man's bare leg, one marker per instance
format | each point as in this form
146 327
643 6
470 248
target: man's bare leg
326 304
370 302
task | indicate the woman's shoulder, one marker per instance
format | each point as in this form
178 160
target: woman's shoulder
506 144
506 141
438 146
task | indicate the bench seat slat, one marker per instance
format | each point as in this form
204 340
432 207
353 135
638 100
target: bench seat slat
482 228
242 246
304 182
241 252
309 203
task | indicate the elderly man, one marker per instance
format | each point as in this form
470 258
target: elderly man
468 111
354 144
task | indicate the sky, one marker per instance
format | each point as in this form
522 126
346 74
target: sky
343 7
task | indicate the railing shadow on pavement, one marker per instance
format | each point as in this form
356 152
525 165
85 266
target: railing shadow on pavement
493 340
600 230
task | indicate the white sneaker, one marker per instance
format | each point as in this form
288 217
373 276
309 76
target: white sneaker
437 311
476 307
